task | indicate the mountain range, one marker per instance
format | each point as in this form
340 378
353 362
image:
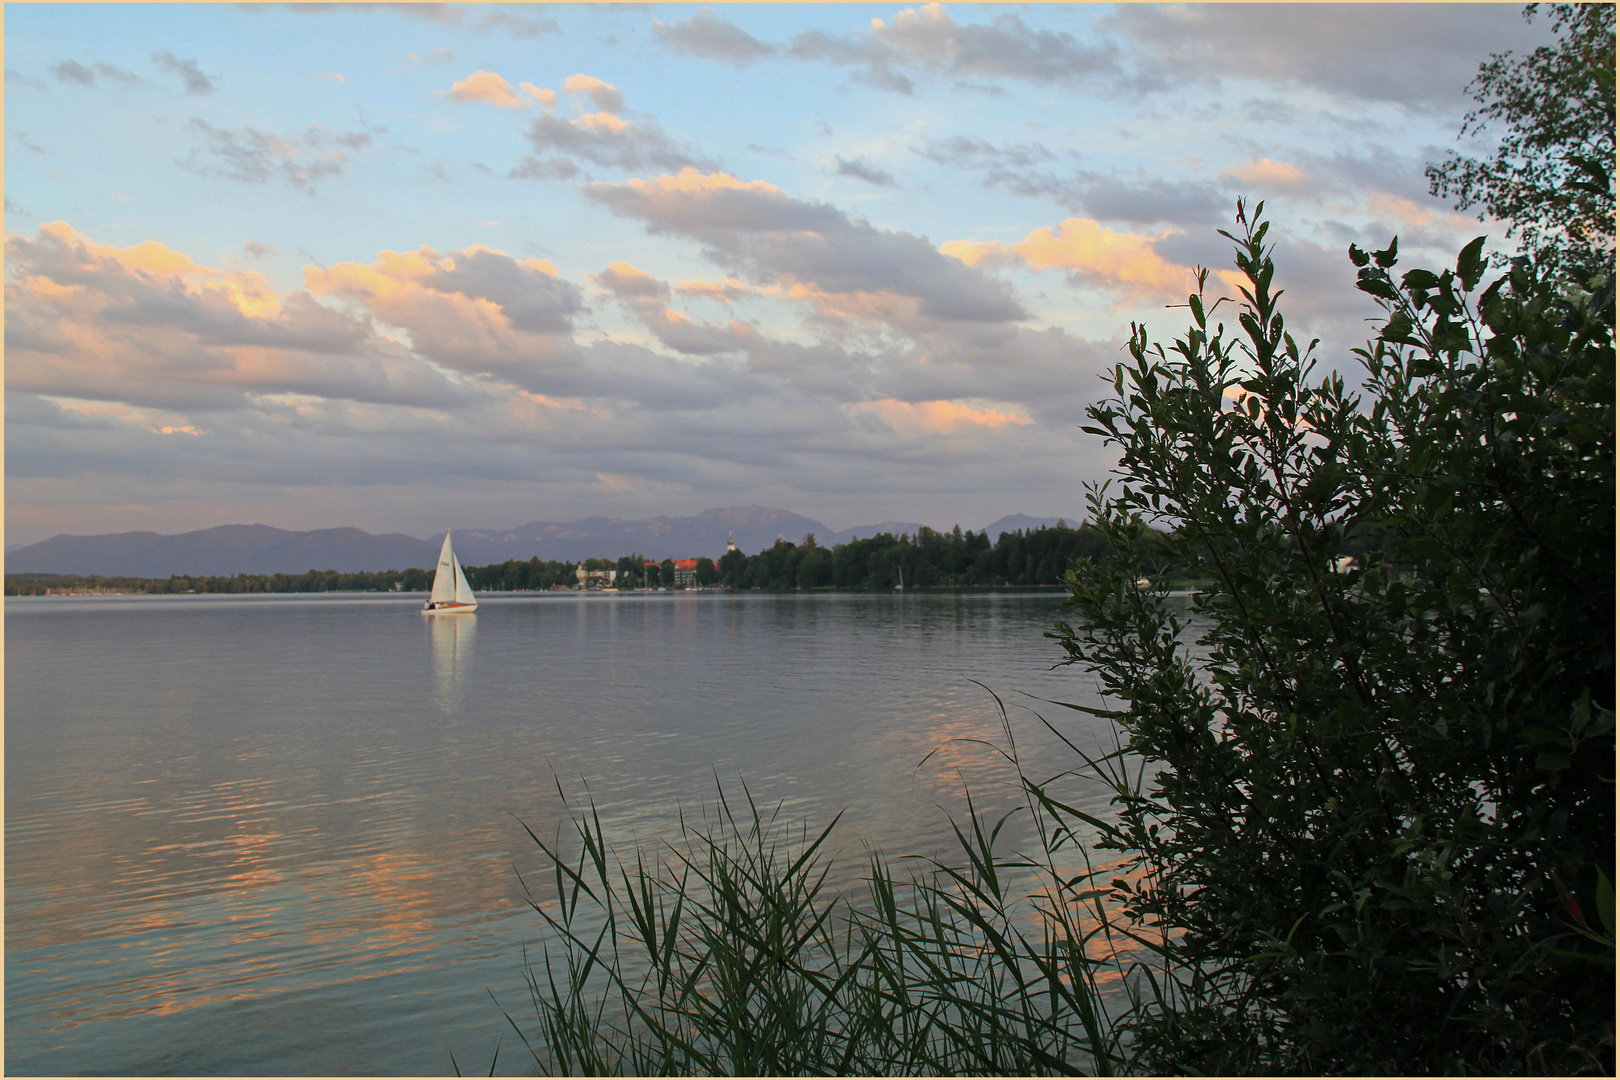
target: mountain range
261 549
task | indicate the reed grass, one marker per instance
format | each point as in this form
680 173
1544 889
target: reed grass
728 953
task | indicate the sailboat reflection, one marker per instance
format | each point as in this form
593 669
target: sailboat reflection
452 655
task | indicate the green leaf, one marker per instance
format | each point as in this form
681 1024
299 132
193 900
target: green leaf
1552 762
1420 279
1471 263
1357 256
1386 258
1376 284
1398 329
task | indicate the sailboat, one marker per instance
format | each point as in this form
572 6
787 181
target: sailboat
451 593
902 584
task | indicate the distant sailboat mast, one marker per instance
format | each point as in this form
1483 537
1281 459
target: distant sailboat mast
902 584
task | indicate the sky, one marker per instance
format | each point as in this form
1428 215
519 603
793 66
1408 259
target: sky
412 267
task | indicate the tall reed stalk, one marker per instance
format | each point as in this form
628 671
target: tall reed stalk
729 954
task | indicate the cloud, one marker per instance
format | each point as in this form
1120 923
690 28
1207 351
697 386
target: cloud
522 24
1376 167
648 299
258 250
331 75
962 152
1139 199
22 138
713 38
69 71
539 93
1419 56
605 139
936 417
440 55
1424 223
861 169
629 283
196 82
1012 168
604 95
148 326
812 250
876 63
250 156
1264 176
479 311
929 40
1413 55
447 14
609 136
492 89
115 350
1006 48
1149 200
1134 199
1085 250
518 25
150 374
554 168
485 86
721 292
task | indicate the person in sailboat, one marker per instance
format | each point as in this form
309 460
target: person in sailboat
451 591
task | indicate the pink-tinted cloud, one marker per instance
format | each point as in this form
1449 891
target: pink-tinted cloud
604 95
1090 252
722 292
648 299
479 311
938 417
607 136
487 87
758 231
148 325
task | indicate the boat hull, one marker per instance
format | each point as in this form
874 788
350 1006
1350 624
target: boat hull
449 609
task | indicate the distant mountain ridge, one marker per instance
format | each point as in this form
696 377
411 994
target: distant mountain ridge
1016 522
223 550
262 549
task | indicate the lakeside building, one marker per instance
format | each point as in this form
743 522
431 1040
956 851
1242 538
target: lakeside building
595 579
685 572
91 590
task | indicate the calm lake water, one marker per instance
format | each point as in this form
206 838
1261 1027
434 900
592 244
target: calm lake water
282 834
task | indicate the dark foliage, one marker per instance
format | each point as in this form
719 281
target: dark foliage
929 559
1552 175
309 581
1378 828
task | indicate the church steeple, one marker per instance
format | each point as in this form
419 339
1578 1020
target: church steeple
731 545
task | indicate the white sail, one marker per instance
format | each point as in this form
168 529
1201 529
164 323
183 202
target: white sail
444 578
464 593
451 592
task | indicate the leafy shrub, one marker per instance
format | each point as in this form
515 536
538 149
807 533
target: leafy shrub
1379 826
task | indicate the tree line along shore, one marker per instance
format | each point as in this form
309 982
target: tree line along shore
928 559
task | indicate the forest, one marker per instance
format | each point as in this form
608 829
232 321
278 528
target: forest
928 559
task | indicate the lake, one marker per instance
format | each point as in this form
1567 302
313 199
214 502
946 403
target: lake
281 835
